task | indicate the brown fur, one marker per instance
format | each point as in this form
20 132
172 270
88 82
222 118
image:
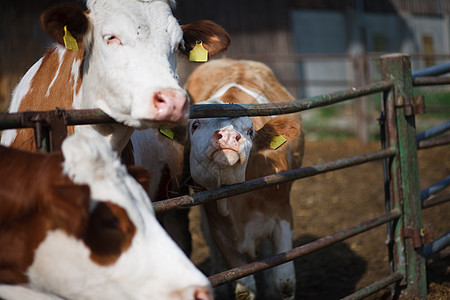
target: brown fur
59 15
215 39
36 198
109 233
60 95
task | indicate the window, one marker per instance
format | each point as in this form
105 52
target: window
428 49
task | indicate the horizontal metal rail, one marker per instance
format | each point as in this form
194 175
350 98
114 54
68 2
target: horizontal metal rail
374 287
270 180
440 141
436 200
432 71
97 116
434 189
432 132
425 81
437 245
248 269
239 110
74 117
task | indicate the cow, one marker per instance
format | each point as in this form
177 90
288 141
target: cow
76 225
232 150
119 56
162 155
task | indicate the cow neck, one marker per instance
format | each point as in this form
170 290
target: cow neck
57 80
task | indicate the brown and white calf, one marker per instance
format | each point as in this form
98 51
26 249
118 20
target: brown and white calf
125 65
231 150
76 225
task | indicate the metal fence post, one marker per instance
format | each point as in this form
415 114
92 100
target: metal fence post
404 174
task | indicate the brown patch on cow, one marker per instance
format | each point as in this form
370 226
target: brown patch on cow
207 79
32 204
214 37
141 175
47 92
127 155
109 233
164 184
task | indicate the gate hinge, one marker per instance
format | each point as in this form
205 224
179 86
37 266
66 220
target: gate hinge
419 104
415 106
419 236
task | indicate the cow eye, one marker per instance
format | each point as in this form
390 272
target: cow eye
250 132
112 39
195 125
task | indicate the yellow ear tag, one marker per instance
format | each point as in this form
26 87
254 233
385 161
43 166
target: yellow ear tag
69 41
277 141
198 54
167 132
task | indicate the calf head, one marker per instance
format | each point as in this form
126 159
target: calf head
127 59
221 147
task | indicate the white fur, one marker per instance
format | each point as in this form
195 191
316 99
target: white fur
153 153
261 99
121 79
19 92
18 292
153 267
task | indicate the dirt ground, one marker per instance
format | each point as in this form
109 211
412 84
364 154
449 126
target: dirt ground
337 200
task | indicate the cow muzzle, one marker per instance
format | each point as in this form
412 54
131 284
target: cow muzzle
170 106
227 147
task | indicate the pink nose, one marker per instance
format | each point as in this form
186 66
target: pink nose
202 294
227 138
170 105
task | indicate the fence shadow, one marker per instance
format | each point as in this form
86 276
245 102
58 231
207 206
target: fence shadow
329 273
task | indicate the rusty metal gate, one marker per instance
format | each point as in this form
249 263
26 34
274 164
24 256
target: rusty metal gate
399 145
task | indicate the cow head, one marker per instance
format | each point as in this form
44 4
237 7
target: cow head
128 61
221 147
123 251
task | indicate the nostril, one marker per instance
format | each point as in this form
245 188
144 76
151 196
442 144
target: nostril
202 294
238 137
218 135
159 98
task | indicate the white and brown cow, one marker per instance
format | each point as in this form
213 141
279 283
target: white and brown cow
76 225
125 65
231 150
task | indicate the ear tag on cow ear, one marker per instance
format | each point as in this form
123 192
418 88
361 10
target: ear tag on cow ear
198 53
167 132
277 141
69 41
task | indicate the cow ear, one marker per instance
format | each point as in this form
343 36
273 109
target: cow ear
274 128
141 175
70 15
214 37
109 232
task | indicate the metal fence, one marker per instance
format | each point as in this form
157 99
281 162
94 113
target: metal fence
399 145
